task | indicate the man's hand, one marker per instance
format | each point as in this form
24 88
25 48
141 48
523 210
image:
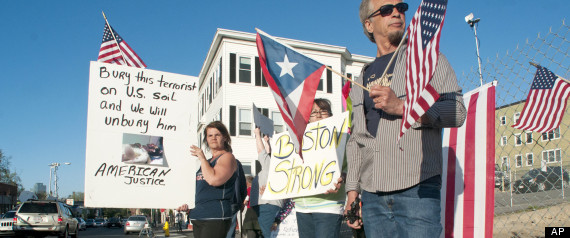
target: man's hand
385 99
351 196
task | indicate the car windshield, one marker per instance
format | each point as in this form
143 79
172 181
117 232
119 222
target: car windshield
38 208
9 214
137 219
531 174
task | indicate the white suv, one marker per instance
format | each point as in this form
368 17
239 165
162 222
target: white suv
42 218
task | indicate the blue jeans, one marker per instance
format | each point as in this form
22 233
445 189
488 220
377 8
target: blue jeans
412 212
316 225
265 216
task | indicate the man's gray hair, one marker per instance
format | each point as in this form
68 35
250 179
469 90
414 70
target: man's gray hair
365 11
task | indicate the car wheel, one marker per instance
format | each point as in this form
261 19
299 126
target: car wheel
126 232
65 234
76 233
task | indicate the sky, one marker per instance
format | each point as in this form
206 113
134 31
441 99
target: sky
47 46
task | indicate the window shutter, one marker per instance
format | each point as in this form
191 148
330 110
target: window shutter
329 81
232 68
257 72
232 120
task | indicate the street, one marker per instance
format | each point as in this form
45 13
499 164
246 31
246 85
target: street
118 232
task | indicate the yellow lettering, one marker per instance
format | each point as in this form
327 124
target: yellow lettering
306 184
281 167
285 147
328 176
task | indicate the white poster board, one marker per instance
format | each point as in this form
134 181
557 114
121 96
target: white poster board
288 227
140 126
264 123
324 143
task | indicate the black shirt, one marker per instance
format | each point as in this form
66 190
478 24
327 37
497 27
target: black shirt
373 72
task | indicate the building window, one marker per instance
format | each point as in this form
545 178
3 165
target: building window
552 156
503 141
244 122
503 120
552 135
529 159
244 69
246 168
320 87
516 117
518 161
259 78
278 125
518 139
529 137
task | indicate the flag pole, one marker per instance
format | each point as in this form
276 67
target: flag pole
347 78
113 34
536 65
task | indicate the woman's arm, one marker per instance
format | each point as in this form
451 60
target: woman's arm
221 172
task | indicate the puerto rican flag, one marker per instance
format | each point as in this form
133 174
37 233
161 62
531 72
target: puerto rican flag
467 192
293 79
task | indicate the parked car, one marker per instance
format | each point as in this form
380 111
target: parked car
537 180
6 222
114 222
123 221
99 222
42 218
90 223
82 223
135 224
502 180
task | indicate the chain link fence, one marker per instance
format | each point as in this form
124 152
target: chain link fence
531 170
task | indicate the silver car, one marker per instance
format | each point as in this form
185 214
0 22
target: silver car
6 223
42 218
135 224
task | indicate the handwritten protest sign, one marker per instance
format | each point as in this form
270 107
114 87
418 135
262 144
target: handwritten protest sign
139 129
323 154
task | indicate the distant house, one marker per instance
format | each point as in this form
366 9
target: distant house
524 150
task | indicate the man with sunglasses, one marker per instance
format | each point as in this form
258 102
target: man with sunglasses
399 184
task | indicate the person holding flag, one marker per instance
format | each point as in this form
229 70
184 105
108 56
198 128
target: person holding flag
399 179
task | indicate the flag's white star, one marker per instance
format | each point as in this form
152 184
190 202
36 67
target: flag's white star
286 67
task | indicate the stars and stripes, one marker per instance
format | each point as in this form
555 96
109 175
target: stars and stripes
423 49
293 79
468 175
546 102
111 53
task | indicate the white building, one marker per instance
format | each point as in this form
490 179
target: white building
231 80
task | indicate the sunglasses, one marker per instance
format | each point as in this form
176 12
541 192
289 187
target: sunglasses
389 8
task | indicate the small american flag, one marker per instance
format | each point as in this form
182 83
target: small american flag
422 55
110 53
546 102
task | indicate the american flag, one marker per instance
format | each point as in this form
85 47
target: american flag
293 79
468 178
422 55
110 53
545 104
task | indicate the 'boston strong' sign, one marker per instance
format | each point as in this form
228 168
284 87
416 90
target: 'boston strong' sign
323 155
